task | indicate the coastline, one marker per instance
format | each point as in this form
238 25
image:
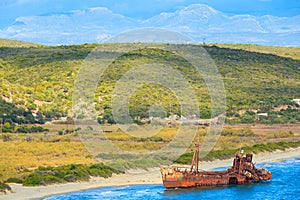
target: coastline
132 177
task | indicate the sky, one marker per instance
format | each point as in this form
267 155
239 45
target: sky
55 22
142 9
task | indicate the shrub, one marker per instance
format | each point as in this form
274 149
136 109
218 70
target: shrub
4 186
33 180
14 180
30 129
67 173
70 178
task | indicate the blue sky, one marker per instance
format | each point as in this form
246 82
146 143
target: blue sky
51 22
142 9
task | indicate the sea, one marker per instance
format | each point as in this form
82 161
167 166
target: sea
285 184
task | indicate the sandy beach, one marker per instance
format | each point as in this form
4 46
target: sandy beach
132 177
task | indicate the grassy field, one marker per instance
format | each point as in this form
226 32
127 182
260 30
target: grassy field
17 158
23 153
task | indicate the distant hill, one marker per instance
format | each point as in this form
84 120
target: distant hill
288 52
17 43
41 79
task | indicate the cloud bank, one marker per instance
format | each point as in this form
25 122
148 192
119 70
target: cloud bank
198 21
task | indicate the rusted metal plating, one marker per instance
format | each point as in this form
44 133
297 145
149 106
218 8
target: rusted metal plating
243 171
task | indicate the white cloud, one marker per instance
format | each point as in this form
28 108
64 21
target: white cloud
102 37
196 21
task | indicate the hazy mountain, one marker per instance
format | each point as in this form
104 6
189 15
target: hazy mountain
201 21
197 21
79 26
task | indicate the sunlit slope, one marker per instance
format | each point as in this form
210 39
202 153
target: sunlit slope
42 78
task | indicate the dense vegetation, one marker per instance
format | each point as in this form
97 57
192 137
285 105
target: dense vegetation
288 115
63 174
11 113
229 153
40 79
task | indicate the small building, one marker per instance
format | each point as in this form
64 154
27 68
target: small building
263 114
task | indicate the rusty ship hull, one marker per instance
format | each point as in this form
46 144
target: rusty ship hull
178 179
186 180
242 171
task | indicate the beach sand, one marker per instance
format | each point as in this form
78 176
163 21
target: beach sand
132 177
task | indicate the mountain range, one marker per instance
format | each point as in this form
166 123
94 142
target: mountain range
198 21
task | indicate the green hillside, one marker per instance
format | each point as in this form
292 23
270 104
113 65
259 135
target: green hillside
40 79
17 43
288 52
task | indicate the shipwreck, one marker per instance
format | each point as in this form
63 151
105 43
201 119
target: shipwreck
243 171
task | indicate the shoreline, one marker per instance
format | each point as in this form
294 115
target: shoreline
132 177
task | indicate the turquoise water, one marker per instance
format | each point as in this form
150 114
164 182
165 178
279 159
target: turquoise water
284 185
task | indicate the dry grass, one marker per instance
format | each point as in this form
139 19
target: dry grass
18 156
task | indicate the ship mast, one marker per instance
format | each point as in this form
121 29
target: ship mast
195 161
